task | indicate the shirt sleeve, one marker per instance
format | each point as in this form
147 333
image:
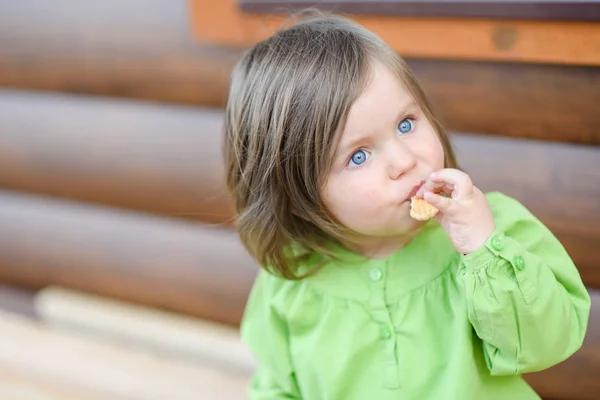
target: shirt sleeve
264 331
525 297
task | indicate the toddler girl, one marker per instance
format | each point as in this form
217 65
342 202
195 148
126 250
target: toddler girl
328 137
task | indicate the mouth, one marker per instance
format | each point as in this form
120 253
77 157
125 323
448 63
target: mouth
414 190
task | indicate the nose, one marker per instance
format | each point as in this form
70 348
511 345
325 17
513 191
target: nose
400 158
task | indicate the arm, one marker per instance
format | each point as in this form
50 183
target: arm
525 297
265 333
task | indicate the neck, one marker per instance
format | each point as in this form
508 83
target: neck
377 247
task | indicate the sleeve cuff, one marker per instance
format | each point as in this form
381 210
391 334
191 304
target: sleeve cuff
505 251
486 254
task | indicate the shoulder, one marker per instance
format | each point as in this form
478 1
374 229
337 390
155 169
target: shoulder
506 208
511 215
272 294
271 286
270 280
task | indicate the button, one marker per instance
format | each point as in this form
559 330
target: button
497 243
386 332
375 275
519 263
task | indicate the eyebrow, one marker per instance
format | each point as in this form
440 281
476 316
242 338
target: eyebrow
356 141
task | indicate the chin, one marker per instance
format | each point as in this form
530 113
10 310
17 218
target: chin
403 227
411 223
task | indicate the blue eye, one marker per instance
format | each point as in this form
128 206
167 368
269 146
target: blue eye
358 158
405 126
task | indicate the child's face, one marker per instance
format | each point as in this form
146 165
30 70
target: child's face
386 149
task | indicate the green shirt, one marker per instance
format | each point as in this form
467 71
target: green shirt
424 323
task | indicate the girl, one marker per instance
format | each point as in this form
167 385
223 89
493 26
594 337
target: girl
328 137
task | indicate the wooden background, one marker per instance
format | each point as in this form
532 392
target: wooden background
111 180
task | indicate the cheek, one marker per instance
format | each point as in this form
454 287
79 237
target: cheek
439 155
360 190
434 152
349 198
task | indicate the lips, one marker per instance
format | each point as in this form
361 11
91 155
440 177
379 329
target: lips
414 190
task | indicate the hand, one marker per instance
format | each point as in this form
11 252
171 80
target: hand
465 215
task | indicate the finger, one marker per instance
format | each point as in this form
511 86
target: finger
462 184
435 187
445 204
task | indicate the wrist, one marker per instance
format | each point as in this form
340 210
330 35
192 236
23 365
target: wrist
479 240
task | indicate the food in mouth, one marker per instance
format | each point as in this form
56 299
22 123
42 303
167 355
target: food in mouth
421 210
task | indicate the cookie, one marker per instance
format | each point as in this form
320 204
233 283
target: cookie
421 210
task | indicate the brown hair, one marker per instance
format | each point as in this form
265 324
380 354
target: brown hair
288 100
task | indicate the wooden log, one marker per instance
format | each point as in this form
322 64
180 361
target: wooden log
516 100
131 48
82 46
560 42
165 263
136 326
108 370
158 158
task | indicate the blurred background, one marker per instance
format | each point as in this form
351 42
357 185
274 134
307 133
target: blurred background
120 275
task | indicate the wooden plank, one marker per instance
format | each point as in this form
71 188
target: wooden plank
571 10
145 328
108 370
556 42
169 264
